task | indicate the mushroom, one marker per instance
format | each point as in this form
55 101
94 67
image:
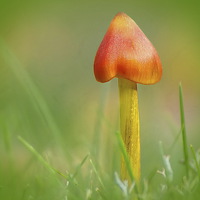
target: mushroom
127 54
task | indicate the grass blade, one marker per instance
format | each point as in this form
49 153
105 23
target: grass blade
126 158
183 129
97 173
37 155
79 166
195 160
125 155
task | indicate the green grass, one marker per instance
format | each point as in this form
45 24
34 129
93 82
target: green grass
29 172
183 129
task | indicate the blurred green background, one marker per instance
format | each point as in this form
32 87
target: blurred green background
49 96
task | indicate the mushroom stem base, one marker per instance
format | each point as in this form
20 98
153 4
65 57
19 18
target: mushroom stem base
129 126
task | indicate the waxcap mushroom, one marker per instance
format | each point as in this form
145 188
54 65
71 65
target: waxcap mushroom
125 52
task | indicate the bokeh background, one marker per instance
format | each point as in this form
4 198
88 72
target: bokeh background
49 96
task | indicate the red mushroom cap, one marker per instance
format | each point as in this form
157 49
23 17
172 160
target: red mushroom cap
125 52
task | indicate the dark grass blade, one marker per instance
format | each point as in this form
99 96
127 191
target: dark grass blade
183 129
79 166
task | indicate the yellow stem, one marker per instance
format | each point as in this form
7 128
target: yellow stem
130 129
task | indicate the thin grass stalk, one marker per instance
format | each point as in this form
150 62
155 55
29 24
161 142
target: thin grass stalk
183 129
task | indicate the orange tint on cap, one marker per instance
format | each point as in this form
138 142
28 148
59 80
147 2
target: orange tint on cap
125 52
